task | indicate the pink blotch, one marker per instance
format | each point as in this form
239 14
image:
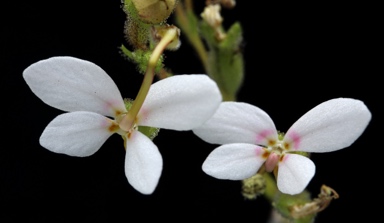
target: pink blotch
263 135
109 125
259 151
296 139
143 113
106 123
284 158
130 136
113 106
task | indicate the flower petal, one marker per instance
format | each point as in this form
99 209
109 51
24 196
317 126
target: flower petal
77 133
143 163
72 84
238 122
294 173
330 126
180 102
235 161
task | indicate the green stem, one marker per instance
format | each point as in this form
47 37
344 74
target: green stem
128 120
271 189
188 24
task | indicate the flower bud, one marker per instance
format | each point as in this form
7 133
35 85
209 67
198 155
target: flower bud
253 186
211 15
158 33
154 11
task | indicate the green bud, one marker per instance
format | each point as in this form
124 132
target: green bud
136 32
154 11
253 186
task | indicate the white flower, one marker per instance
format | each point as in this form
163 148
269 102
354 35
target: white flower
250 139
180 102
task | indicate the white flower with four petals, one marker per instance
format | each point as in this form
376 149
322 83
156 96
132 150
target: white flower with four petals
249 140
95 107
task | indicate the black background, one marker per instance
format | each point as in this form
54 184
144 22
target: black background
296 56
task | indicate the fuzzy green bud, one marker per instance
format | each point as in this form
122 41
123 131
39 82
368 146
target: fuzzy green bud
253 186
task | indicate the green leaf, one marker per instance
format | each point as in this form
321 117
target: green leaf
226 63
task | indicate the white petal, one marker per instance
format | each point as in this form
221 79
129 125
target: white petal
330 126
143 163
180 102
72 84
294 173
235 161
238 122
76 133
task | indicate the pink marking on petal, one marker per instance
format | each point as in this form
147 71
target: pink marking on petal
284 157
112 106
142 115
296 139
113 127
130 135
109 125
263 135
259 151
105 123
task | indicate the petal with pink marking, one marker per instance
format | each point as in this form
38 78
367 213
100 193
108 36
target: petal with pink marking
238 122
143 163
77 133
180 102
72 84
235 161
330 126
294 173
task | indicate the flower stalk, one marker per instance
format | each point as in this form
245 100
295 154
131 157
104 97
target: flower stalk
221 55
187 20
127 122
